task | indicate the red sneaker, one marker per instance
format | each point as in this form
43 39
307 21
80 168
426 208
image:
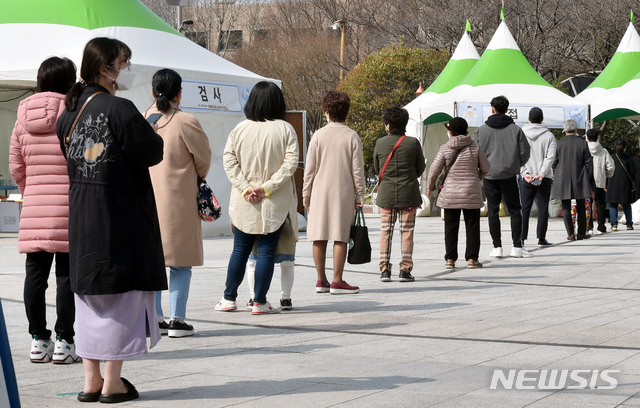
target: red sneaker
322 287
343 289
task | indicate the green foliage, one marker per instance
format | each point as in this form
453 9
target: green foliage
385 79
619 128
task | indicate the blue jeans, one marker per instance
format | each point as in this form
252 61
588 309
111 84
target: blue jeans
242 246
179 282
613 213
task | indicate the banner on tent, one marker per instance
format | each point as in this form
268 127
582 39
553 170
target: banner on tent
210 96
554 116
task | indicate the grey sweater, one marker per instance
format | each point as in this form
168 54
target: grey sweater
542 145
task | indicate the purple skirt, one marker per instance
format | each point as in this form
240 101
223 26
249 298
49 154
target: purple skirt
115 327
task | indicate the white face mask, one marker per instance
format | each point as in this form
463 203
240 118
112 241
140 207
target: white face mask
125 79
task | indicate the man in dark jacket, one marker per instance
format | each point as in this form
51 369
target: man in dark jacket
399 193
507 149
573 175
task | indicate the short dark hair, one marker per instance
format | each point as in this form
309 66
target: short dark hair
397 119
500 104
535 115
336 104
165 85
266 102
592 135
99 52
56 75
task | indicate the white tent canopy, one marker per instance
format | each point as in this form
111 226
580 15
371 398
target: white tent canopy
503 70
624 65
462 61
214 89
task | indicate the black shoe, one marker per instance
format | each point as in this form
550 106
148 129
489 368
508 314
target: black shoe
180 329
131 394
385 276
580 237
89 396
544 243
406 277
164 328
285 304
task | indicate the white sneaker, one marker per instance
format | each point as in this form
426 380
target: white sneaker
264 308
65 353
520 253
496 253
41 350
225 305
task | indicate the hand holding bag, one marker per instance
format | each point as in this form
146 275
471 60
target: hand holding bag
208 207
359 245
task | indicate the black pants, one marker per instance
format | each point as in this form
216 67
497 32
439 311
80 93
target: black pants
602 210
541 195
451 228
581 215
38 266
506 189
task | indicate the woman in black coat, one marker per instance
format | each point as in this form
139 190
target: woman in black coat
621 185
116 263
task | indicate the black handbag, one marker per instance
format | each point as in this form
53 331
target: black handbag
359 245
208 207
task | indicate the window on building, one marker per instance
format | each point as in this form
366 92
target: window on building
230 40
198 37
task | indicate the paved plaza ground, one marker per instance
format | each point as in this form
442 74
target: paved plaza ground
435 342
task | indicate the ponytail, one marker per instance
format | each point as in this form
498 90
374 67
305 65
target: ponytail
71 100
165 85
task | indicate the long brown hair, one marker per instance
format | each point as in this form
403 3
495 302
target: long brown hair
99 52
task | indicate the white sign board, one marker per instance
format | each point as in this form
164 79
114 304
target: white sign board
554 116
209 96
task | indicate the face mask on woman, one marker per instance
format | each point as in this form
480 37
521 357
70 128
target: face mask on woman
125 79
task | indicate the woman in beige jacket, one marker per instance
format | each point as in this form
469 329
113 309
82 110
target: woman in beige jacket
187 158
259 158
333 187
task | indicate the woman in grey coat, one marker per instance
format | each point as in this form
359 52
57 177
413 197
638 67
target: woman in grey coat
573 178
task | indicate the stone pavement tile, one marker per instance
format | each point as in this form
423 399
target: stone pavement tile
600 335
397 397
213 390
593 359
477 401
582 398
630 339
630 366
479 353
322 395
633 401
462 380
533 357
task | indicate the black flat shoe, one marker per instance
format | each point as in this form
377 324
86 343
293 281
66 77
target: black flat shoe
88 396
131 394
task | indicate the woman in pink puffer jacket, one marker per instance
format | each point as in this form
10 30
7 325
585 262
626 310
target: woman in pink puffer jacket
40 171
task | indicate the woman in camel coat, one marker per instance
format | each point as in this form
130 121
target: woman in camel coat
187 158
333 187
